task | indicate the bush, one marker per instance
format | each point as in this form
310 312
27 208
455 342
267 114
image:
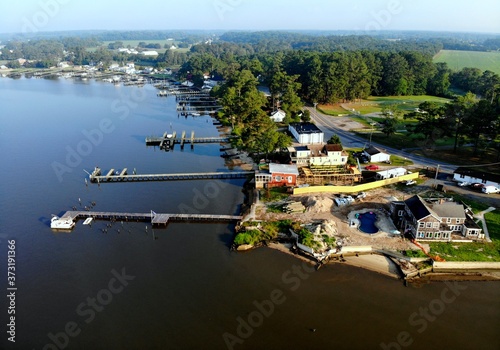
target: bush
249 237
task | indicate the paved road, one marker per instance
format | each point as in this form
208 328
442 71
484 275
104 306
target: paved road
328 125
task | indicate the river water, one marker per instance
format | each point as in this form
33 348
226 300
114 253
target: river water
179 287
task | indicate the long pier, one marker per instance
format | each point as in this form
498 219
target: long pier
168 141
111 176
154 218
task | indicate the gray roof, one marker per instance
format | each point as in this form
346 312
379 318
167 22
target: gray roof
448 210
283 169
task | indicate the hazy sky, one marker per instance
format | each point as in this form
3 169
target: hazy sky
436 15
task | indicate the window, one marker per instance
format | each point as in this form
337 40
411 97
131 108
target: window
429 225
278 178
437 235
458 221
472 232
446 235
421 235
448 220
421 224
429 235
436 225
289 179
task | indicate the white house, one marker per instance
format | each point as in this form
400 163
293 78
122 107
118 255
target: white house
471 175
318 155
278 116
149 53
376 155
330 155
306 133
390 173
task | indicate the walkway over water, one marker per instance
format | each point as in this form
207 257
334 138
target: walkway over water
112 176
154 218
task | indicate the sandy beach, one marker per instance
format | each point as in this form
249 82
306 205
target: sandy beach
373 262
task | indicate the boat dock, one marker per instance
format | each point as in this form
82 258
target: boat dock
112 176
154 218
169 140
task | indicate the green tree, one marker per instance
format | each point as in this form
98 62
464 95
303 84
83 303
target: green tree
389 126
334 140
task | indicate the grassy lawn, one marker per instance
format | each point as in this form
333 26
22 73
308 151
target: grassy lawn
473 251
274 194
459 59
493 223
332 109
467 251
375 104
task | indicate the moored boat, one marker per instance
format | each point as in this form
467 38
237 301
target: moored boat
57 223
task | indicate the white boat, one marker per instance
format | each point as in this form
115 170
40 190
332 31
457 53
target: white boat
87 221
57 223
195 114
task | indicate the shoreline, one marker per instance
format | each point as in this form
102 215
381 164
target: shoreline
383 265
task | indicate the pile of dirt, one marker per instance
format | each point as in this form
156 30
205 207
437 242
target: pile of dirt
319 204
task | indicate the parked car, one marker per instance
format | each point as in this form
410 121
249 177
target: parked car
410 182
372 167
362 158
490 189
463 184
477 186
360 195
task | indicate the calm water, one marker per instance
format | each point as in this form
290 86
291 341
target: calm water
185 289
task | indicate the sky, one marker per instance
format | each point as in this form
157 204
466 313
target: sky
22 16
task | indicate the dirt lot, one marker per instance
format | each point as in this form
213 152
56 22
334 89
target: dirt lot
322 207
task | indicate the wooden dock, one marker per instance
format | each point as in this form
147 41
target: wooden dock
111 176
168 141
154 218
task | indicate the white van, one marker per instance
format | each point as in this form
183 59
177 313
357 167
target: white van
490 189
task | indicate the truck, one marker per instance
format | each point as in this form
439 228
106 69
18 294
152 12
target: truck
490 189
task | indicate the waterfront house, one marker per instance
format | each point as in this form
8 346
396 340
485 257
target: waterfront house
471 175
318 155
434 220
278 175
306 133
376 155
278 116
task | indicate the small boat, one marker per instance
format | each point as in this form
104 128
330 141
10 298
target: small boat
87 221
57 223
195 114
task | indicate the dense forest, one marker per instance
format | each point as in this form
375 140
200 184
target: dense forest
303 68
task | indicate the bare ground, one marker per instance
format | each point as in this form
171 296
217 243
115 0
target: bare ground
377 200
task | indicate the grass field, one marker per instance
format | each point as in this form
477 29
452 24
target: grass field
375 104
459 59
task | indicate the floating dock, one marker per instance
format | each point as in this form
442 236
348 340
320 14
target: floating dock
111 176
154 218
